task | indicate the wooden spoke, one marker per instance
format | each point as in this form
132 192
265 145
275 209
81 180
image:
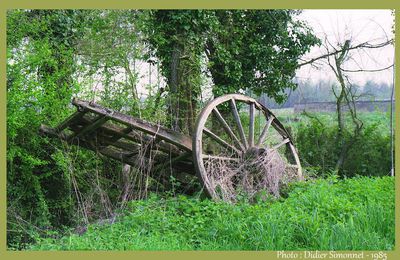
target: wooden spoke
227 129
223 158
244 180
220 141
238 122
251 125
296 158
265 131
286 140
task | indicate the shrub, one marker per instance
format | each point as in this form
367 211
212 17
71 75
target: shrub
319 149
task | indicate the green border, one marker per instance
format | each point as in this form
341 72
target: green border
163 4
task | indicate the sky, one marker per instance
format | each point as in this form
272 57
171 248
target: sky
374 26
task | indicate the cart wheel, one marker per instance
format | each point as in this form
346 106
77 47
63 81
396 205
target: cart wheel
241 150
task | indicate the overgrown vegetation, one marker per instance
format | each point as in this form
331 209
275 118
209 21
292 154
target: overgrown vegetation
100 55
317 142
323 214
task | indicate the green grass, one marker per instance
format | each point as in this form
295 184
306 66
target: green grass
294 120
329 214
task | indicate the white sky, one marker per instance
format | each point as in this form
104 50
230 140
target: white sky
360 26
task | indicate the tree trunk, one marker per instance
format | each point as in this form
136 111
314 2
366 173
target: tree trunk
184 89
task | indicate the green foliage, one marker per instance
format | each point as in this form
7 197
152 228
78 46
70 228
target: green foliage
169 30
316 141
247 50
39 87
111 60
257 51
54 55
330 214
177 39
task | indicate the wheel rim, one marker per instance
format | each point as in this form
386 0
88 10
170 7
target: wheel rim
239 153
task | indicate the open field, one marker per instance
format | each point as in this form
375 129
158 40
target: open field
290 118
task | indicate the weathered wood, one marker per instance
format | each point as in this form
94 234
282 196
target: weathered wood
117 132
121 144
251 125
170 136
105 151
265 131
182 157
136 137
222 158
124 156
90 127
220 140
296 158
285 141
199 156
238 122
70 120
126 130
226 127
46 130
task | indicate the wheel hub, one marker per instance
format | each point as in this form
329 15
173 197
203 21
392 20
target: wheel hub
253 153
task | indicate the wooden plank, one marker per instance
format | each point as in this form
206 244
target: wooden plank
296 158
116 133
168 135
182 157
126 130
105 151
108 152
135 137
70 120
116 155
129 147
51 132
90 127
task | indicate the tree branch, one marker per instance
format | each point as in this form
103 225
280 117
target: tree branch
366 70
366 45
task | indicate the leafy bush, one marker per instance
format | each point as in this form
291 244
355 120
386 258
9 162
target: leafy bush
39 87
370 154
329 214
316 141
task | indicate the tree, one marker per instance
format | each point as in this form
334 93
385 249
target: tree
257 50
337 56
177 39
40 83
111 61
249 50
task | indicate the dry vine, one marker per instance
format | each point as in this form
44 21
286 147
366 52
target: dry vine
267 171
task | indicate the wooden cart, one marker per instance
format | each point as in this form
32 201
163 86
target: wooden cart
227 157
